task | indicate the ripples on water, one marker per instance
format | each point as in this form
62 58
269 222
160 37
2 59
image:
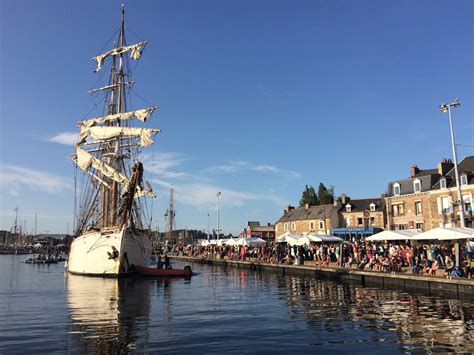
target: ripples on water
219 310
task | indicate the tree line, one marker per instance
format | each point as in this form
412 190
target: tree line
323 197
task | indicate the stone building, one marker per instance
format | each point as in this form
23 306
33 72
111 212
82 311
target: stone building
266 232
362 213
444 198
427 198
308 219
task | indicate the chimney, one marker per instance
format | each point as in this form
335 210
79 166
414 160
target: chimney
414 170
344 199
306 206
288 209
445 166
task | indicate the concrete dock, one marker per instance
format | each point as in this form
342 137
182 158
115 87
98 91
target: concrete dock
437 286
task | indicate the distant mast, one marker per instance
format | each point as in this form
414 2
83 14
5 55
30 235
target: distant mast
170 213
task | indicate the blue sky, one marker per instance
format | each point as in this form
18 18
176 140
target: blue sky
257 99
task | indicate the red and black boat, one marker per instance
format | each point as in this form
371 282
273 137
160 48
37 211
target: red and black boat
148 271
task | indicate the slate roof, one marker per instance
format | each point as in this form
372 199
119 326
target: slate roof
361 205
313 212
256 227
430 178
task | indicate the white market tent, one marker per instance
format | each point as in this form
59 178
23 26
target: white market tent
286 237
313 238
407 234
446 234
251 242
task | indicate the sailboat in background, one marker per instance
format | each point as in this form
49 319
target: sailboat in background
111 235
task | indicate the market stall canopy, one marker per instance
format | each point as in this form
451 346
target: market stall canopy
250 242
312 238
407 234
231 241
285 237
446 234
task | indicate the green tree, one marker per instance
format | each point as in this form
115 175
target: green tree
309 196
325 195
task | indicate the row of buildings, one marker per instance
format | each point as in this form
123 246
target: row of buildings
425 200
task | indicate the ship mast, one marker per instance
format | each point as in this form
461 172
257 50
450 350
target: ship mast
107 143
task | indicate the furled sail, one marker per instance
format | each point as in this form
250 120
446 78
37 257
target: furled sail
135 53
103 133
142 115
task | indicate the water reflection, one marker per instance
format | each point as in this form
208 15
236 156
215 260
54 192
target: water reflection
418 322
108 315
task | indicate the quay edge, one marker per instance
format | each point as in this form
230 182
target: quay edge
462 289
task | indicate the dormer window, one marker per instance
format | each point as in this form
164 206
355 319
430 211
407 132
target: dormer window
348 208
463 179
442 183
372 207
396 189
417 186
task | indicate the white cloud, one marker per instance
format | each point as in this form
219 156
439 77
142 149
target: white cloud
163 164
236 166
16 179
67 138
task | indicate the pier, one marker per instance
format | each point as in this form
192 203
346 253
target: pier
434 286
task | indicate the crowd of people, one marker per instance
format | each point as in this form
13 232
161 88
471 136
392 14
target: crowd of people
428 259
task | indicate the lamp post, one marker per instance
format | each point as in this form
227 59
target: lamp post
447 108
208 226
218 227
444 107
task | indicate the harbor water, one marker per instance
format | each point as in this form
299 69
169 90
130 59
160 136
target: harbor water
219 310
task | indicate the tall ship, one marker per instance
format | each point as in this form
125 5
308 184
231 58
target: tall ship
112 230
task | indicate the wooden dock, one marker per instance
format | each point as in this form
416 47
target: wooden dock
459 288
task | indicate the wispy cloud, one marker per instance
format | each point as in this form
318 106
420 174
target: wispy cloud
164 164
204 195
67 138
236 166
16 179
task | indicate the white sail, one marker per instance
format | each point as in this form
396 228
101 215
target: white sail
142 115
85 160
103 133
135 53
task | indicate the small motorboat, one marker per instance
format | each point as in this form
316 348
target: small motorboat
148 271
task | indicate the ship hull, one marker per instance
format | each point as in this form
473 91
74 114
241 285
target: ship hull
109 253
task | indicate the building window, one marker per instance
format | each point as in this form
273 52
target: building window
348 208
467 204
311 226
372 207
397 210
418 208
401 227
446 205
419 226
321 224
463 179
293 226
285 226
396 189
372 221
360 221
348 221
442 183
417 186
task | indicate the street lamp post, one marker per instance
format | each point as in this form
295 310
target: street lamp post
218 227
444 107
207 226
447 108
